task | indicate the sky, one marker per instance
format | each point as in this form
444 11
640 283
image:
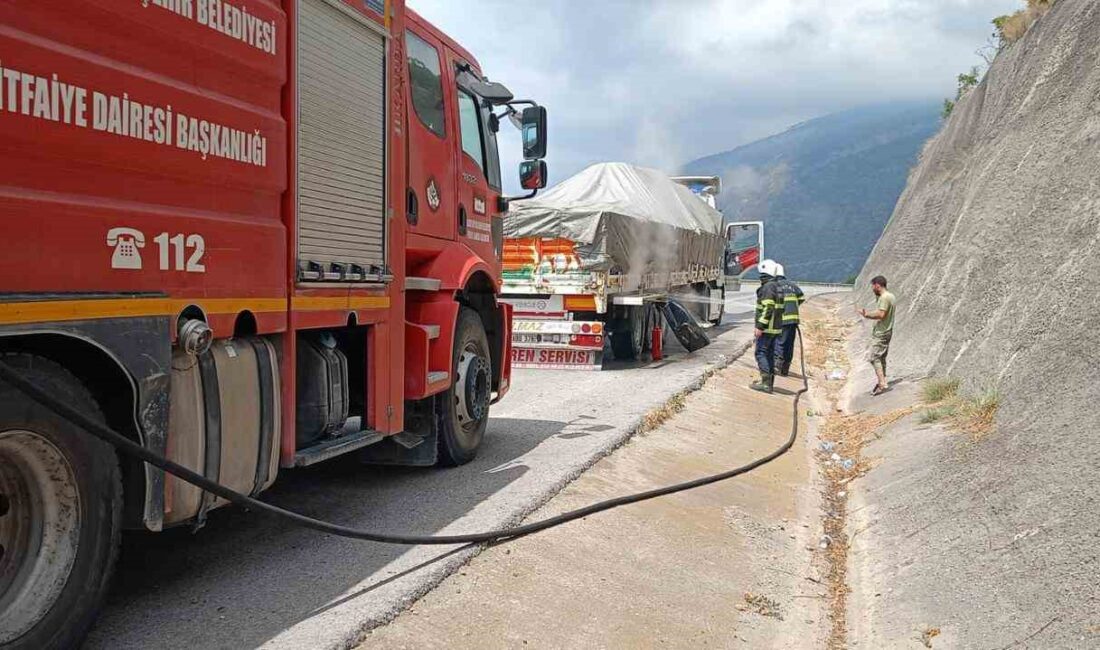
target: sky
663 82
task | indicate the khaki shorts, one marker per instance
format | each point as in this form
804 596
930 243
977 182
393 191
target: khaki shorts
880 346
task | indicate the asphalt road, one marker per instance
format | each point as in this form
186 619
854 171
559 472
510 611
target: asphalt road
247 580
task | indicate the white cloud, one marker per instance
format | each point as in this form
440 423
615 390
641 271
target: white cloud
661 82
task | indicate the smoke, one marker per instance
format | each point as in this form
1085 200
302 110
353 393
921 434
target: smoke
655 249
756 183
656 146
746 189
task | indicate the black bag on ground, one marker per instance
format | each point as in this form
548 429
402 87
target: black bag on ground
684 327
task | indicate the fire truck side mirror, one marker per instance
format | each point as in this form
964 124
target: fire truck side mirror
534 133
533 174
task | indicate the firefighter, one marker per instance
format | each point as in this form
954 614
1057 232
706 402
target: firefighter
769 325
793 297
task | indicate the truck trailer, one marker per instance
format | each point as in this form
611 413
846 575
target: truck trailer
594 257
249 236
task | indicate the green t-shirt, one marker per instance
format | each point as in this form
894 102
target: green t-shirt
886 305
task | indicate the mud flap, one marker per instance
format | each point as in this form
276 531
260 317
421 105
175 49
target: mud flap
684 327
416 446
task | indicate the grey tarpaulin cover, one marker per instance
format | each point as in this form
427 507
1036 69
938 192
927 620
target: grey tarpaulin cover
625 219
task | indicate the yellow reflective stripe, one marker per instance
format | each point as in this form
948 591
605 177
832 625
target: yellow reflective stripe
326 303
46 311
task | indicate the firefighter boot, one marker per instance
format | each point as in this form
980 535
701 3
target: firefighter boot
765 384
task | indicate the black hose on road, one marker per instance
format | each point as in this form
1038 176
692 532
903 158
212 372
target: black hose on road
127 446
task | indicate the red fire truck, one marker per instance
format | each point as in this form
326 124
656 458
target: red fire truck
250 235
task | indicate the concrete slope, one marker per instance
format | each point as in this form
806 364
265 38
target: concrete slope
723 566
992 252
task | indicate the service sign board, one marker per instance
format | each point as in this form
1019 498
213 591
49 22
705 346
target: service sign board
556 359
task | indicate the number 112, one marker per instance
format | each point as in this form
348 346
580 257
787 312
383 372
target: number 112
179 242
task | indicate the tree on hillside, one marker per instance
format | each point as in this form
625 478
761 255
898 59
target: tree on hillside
967 81
1007 30
1012 27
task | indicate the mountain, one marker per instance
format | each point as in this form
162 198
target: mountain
826 187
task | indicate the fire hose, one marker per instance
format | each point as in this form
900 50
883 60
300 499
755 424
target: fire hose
127 446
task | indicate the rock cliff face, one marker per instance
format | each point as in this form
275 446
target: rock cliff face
994 254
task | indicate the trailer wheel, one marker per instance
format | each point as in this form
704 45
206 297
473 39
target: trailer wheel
628 338
60 514
464 409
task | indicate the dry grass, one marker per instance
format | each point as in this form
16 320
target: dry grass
927 635
662 414
816 338
658 416
935 414
939 389
1013 27
848 433
977 414
826 333
762 605
971 414
856 430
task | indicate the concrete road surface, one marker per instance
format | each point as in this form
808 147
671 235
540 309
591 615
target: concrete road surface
248 581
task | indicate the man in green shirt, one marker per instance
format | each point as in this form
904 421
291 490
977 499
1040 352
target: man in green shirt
882 332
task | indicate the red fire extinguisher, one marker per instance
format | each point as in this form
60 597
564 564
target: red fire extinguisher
658 335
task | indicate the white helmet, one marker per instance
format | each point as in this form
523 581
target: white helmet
769 267
779 270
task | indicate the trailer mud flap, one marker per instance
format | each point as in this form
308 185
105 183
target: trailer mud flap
687 331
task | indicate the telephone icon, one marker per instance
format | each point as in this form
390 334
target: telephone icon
126 241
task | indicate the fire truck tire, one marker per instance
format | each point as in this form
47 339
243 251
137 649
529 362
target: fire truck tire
463 410
60 514
628 337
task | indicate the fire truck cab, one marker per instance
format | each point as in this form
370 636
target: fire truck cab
249 236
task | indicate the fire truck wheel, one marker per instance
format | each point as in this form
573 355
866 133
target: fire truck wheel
464 408
628 338
60 513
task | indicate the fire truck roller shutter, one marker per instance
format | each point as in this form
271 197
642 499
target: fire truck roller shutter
341 139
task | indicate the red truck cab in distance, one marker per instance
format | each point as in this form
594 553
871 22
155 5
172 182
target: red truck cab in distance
248 235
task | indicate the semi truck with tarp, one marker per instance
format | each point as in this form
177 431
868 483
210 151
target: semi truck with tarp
587 263
249 237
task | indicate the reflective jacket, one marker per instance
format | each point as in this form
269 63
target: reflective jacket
769 308
792 300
